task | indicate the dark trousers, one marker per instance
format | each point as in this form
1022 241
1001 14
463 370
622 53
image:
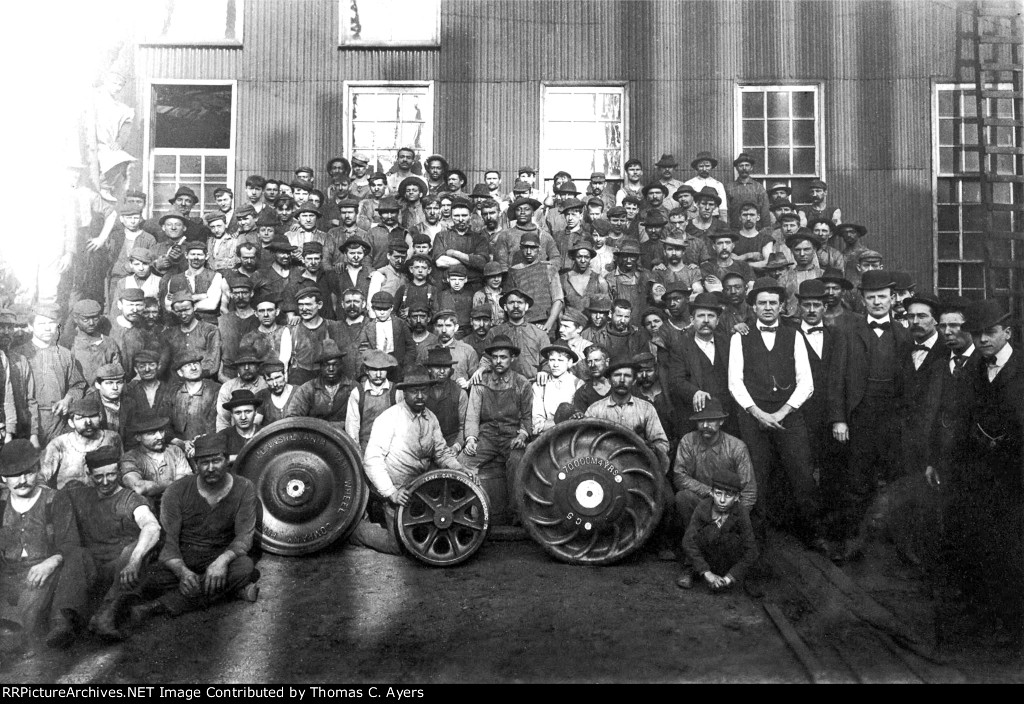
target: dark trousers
788 452
497 463
376 530
163 580
874 454
828 457
32 607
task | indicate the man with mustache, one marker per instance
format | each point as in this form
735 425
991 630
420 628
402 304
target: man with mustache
153 464
63 462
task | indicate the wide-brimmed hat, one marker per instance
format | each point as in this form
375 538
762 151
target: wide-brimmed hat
798 237
241 397
655 187
18 457
667 161
480 190
247 355
518 292
984 314
184 191
146 422
280 243
439 356
902 280
582 244
210 445
776 260
765 283
571 204
833 275
560 346
713 410
411 181
743 156
718 234
501 342
358 241
859 229
415 378
532 202
495 269
628 247
173 213
709 192
567 188
601 304
703 156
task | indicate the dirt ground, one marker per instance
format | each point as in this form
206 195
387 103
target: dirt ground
511 614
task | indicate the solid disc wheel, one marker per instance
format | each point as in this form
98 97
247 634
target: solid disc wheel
446 519
309 478
589 491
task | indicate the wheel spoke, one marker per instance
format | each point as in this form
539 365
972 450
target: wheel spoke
453 543
467 522
543 480
645 497
464 502
409 522
428 543
534 497
588 547
427 499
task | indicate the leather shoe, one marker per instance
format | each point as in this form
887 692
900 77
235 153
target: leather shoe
685 581
61 634
250 593
143 612
104 624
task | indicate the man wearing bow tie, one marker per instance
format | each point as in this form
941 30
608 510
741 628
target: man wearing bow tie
922 382
863 402
770 378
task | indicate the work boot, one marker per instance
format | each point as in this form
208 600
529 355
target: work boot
104 623
685 580
144 612
62 633
250 593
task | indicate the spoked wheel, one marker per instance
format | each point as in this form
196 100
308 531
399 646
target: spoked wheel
590 491
446 519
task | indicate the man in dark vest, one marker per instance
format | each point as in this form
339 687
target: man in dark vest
770 378
446 399
863 403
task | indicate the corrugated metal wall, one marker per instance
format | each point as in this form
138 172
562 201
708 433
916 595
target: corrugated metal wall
680 62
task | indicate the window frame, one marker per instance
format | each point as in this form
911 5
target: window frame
434 43
149 151
232 43
761 176
349 88
545 170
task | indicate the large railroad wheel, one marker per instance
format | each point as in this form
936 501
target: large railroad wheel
446 519
590 491
309 478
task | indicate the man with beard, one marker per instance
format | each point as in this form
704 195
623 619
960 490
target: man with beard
770 378
675 267
271 340
248 262
737 316
746 190
819 209
418 320
402 169
723 242
696 364
191 336
63 461
499 421
309 335
234 325
243 408
624 339
405 442
153 464
581 284
127 329
447 400
596 386
540 281
386 231
326 395
56 377
372 396
863 398
629 282
481 319
277 393
466 359
460 245
490 213
346 230
247 366
623 407
528 339
701 454
838 313
117 529
506 249
209 521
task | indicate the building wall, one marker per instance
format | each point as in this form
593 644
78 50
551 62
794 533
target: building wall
680 62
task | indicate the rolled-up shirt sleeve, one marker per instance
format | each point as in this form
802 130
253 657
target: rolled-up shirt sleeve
382 435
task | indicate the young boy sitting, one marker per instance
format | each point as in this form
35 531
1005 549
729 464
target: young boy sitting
719 542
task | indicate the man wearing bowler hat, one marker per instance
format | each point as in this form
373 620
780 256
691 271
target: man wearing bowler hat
701 453
247 368
499 421
209 521
746 190
405 442
770 378
154 463
838 289
702 164
863 400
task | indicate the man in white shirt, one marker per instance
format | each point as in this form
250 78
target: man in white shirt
770 378
560 386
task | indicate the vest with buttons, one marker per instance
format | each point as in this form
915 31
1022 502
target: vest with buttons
769 375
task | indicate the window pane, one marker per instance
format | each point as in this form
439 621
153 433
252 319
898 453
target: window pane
974 217
947 130
610 106
973 275
1002 221
969 106
801 190
974 247
778 133
949 245
778 104
1004 163
217 165
803 133
803 161
411 108
613 135
944 191
753 133
970 132
190 165
165 163
1003 136
562 106
971 192
758 155
778 161
583 131
191 117
753 104
949 276
949 218
946 160
946 103
374 107
412 136
1003 107
1002 193
803 104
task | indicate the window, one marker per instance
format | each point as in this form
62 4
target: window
188 22
381 117
190 140
780 126
583 129
960 215
389 23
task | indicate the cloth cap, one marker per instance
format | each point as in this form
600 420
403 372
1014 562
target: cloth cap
726 479
87 308
210 446
376 359
88 405
18 457
382 299
102 456
146 422
110 371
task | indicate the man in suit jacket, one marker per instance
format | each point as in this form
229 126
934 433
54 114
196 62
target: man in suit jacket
388 334
921 376
863 403
695 364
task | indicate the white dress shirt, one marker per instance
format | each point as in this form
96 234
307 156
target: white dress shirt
966 355
706 346
804 382
882 321
919 355
815 338
1002 357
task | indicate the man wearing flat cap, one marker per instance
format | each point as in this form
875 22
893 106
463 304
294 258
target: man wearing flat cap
746 190
385 231
90 348
666 167
465 358
628 281
171 236
499 421
802 246
540 280
154 463
770 379
209 521
346 229
405 442
193 405
572 212
149 391
63 461
117 528
374 394
581 283
326 396
863 398
702 164
41 566
305 230
140 276
56 377
630 411
190 336
312 273
311 332
108 386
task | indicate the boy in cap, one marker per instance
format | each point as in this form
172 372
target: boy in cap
209 521
559 388
359 187
387 333
375 394
108 386
63 462
41 566
456 297
141 277
154 463
222 244
802 247
90 348
125 238
719 542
